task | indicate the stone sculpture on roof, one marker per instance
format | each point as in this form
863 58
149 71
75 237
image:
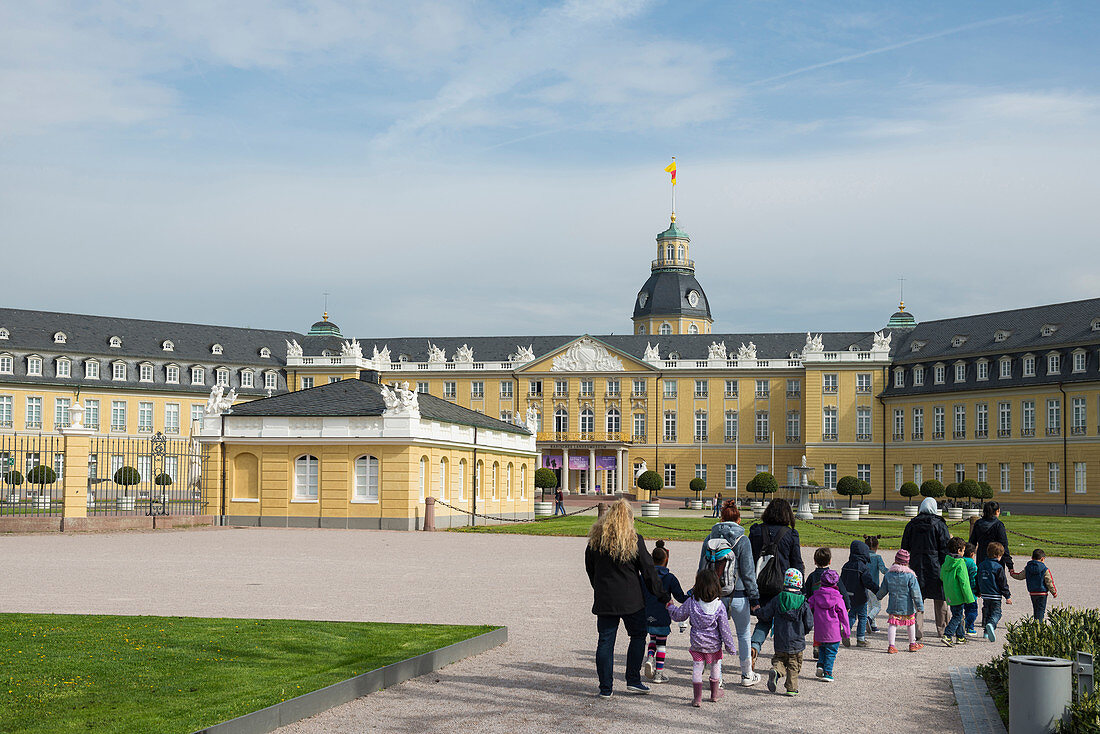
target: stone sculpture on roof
716 351
293 348
532 422
400 401
523 354
383 356
464 354
813 343
882 343
351 349
587 355
652 353
747 352
219 401
435 354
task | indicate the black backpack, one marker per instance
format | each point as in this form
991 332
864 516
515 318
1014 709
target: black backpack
769 576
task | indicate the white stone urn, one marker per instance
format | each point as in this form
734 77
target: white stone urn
815 507
864 509
543 509
651 509
954 513
911 510
695 505
849 513
972 512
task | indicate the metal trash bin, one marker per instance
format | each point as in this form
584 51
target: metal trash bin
1039 693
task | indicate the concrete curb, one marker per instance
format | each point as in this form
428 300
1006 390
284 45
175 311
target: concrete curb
312 703
976 708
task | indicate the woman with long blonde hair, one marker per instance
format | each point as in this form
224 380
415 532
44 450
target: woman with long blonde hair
615 558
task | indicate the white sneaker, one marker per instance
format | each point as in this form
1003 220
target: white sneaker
660 677
649 667
750 680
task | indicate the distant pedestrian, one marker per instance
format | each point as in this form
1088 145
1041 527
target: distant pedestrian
925 538
993 585
614 558
905 601
658 623
1040 582
831 623
877 567
559 502
990 529
857 579
710 632
791 619
717 504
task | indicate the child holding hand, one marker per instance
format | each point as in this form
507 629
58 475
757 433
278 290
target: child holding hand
710 632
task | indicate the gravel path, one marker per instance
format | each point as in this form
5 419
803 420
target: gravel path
542 680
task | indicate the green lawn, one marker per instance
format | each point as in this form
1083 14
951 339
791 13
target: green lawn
74 673
839 532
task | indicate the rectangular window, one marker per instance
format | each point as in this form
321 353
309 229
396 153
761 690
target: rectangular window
829 424
1080 482
639 426
830 476
118 371
506 389
7 410
118 415
534 388
506 416
1029 476
422 388
91 370
145 417
1054 417
960 472
1054 364
937 472
1079 362
760 468
863 383
91 414
64 368
34 366
731 476
763 388
918 424
899 424
198 376
701 471
981 420
918 474
61 412
938 421
7 364
701 429
899 476
731 388
1077 416
794 425
477 389
863 424
863 472
1004 420
1006 369
1006 478
34 412
670 388
670 476
1052 477
247 378
918 375
613 388
561 388
271 380
1027 427
307 383
145 373
701 389
171 417
794 388
450 389
172 374
639 388
899 377
762 429
983 370
196 412
1029 367
983 472
305 477
731 426
670 426
960 372
939 374
830 382
587 389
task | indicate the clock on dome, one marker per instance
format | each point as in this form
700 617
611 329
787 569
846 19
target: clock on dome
693 298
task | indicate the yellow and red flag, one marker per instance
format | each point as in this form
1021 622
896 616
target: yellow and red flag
671 168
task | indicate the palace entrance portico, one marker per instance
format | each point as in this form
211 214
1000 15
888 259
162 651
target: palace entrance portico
584 468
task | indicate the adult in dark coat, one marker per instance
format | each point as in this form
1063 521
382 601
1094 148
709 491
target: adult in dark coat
776 526
925 538
615 558
989 529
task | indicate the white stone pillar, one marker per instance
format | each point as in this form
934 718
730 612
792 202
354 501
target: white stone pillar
591 470
620 460
565 470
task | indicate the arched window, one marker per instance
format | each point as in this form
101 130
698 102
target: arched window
479 480
588 420
443 478
305 477
496 478
523 481
460 490
641 328
561 420
669 251
680 252
423 476
693 329
366 479
614 421
246 477
666 328
508 481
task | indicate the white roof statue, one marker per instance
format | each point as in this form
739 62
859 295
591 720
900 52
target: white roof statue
716 351
587 355
813 343
652 353
219 401
435 354
383 356
351 349
400 401
882 343
523 355
293 348
464 354
532 420
747 352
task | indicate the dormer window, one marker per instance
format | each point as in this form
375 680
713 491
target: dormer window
1001 335
960 372
917 346
1048 329
216 349
1006 368
59 338
853 348
265 353
1029 365
939 374
64 367
918 375
1095 327
958 340
403 358
1054 364
91 370
172 374
271 380
899 377
167 346
247 378
5 334
983 369
1079 358
115 342
34 366
118 371
198 376
145 372
7 364
221 376
673 355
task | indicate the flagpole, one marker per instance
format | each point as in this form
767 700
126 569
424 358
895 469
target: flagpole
674 192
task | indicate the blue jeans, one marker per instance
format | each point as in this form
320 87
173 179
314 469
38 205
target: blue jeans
761 632
857 615
991 612
826 656
874 606
1039 606
955 626
607 625
559 506
738 609
971 611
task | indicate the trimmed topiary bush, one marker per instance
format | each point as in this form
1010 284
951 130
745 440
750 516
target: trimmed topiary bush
986 490
545 479
651 482
864 489
951 491
697 485
762 484
848 486
162 480
931 488
127 476
41 475
13 477
909 490
969 490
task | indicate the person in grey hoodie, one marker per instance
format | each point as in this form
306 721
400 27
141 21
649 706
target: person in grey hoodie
744 598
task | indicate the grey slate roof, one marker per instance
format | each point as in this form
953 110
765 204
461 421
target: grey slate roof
358 397
668 291
1074 321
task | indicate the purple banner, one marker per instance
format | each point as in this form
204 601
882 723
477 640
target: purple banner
578 462
551 462
606 462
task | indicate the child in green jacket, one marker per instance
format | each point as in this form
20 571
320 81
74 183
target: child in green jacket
956 588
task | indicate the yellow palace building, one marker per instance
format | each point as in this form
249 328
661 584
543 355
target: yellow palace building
1011 398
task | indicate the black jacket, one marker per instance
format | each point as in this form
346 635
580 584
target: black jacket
789 628
985 532
856 574
925 538
615 586
813 583
788 554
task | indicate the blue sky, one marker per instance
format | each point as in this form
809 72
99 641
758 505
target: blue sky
496 168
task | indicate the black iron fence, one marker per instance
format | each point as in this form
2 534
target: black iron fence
145 476
31 470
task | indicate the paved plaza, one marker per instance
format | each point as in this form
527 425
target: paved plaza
543 680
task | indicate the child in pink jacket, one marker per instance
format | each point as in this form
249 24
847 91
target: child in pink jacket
710 632
830 623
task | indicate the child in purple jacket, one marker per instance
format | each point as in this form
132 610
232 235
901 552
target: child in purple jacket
710 631
830 622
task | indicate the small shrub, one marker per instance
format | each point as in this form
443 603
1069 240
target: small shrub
909 490
931 488
969 490
41 475
848 486
864 489
545 479
13 477
697 485
762 484
951 491
162 480
651 482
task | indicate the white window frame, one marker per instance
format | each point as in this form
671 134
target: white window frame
1029 477
198 375
307 475
172 374
64 367
939 374
366 481
248 378
918 376
145 372
1080 477
171 417
34 366
1005 368
271 380
145 416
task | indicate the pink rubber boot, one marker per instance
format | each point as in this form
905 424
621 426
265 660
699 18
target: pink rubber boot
715 691
697 688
